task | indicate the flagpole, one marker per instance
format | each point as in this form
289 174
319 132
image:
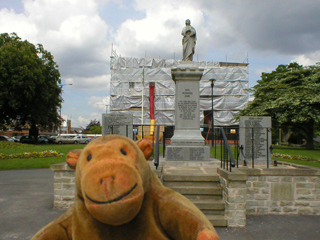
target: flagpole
142 100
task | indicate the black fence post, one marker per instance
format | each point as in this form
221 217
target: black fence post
221 153
142 132
252 146
156 155
164 142
267 147
215 145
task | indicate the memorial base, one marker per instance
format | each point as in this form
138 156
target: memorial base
187 153
187 138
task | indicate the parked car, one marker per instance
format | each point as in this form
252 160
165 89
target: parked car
16 138
30 139
51 139
6 138
82 139
72 139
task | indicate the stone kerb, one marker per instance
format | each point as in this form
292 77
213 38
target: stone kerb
64 185
285 190
234 193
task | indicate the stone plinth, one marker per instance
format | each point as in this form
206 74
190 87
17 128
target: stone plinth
117 123
187 143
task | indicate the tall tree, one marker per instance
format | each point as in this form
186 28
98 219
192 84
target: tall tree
29 83
291 96
93 127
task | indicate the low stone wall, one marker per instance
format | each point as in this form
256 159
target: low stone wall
286 189
64 185
283 191
276 190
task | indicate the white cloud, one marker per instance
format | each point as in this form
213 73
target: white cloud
100 103
307 59
83 121
72 31
159 33
96 83
19 23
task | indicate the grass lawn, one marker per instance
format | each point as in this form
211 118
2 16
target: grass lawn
298 151
299 155
24 163
310 157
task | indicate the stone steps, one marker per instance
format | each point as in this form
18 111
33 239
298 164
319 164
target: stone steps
192 177
203 190
206 204
193 184
217 220
203 196
195 190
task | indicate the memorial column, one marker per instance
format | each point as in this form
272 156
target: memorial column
187 143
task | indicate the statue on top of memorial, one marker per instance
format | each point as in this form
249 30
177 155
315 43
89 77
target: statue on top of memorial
188 41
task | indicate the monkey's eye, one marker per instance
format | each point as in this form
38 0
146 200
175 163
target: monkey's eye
89 157
123 152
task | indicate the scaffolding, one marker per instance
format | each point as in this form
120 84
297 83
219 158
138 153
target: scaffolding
130 77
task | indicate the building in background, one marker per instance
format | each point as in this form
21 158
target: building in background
131 77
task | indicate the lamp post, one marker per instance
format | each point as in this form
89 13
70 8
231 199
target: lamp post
212 80
61 86
107 105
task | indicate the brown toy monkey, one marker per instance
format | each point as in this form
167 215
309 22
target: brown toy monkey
119 197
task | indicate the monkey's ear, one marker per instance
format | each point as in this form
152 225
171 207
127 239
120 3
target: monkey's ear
146 147
72 158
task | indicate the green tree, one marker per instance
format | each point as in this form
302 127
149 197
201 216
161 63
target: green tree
29 80
291 96
94 127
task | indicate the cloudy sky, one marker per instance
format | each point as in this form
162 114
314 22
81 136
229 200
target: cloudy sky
79 34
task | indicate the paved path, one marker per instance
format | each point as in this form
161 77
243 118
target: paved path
26 200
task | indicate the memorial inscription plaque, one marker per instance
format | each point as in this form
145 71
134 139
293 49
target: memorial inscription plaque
186 153
187 105
117 123
255 137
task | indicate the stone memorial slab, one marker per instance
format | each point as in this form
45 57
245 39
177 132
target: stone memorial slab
187 153
255 137
117 123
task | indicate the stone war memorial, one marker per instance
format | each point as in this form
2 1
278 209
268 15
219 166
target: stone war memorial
117 123
226 196
187 143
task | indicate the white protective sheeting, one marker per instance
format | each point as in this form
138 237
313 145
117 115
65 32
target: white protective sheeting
229 91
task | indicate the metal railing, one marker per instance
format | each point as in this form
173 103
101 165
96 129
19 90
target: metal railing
226 159
224 142
225 146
